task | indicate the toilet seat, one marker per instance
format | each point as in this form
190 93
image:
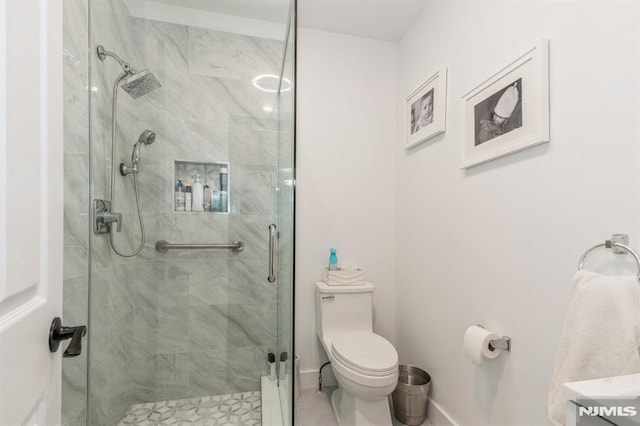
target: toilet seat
366 353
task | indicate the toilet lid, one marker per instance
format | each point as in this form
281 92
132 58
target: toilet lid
365 352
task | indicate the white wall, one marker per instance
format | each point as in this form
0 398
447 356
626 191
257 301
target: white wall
498 244
346 138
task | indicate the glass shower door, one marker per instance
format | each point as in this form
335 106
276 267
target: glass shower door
167 329
286 219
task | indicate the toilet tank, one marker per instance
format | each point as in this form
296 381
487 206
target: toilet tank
343 308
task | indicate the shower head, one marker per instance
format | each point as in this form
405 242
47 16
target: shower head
147 137
140 83
135 83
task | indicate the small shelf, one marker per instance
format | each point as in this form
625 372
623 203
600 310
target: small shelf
216 191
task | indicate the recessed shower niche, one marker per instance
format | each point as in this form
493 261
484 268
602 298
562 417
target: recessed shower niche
201 187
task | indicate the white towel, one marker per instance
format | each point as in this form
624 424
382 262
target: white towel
332 282
600 336
345 275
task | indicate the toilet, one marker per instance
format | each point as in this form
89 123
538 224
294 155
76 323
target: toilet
365 364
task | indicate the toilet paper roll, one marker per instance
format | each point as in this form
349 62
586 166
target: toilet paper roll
476 344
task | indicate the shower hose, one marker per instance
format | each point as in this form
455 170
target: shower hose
113 174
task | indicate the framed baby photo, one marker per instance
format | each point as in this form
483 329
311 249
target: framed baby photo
509 111
426 110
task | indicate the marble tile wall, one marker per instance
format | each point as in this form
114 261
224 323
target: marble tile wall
185 323
204 321
111 293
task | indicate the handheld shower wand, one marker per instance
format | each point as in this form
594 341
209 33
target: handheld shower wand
147 137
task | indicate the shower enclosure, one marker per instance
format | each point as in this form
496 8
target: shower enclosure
182 333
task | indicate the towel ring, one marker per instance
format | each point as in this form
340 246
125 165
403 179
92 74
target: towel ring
612 244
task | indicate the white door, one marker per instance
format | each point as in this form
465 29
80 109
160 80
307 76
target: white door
31 209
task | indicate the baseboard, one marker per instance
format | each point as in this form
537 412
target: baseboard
309 378
437 416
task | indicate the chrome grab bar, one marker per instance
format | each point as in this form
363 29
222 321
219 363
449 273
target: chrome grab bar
164 246
272 253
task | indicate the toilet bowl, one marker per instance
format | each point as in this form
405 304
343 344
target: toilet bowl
365 364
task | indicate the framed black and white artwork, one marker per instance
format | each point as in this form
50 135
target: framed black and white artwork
509 111
426 110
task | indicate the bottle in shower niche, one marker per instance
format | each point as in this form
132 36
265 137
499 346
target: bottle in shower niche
180 198
224 190
198 194
188 198
207 198
215 198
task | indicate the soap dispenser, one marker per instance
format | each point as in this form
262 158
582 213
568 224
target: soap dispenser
198 194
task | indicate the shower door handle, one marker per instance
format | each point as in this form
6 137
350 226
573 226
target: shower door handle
58 333
272 253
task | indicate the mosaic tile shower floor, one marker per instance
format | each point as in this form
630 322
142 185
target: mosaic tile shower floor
236 409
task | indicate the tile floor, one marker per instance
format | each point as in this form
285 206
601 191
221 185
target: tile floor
221 410
238 409
314 409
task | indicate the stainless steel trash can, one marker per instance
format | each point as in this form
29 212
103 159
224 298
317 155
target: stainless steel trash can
410 396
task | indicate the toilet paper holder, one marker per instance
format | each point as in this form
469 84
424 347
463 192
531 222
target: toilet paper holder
503 343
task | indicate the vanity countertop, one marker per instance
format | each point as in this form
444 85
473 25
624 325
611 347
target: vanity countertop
609 387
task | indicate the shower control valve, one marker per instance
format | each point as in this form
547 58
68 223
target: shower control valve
104 217
109 217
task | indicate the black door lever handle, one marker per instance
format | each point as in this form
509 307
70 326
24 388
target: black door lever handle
58 333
